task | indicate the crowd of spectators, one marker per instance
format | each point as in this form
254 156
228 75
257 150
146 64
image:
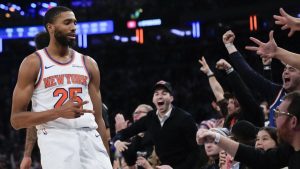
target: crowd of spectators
128 73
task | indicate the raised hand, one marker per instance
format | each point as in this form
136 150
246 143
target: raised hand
223 65
287 22
204 68
121 145
204 135
120 122
71 109
265 50
228 37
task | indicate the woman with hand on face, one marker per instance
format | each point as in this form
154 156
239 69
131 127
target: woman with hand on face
266 138
212 150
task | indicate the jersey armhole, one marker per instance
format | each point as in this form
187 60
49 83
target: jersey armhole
40 74
85 66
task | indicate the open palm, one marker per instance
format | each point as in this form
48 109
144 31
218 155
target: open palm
265 50
287 22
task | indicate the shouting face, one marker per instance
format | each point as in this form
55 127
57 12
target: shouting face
291 78
162 99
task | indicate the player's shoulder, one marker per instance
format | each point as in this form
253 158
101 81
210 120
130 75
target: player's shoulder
90 62
30 66
32 59
90 59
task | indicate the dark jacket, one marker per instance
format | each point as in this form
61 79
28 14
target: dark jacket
138 143
272 91
175 142
250 109
275 158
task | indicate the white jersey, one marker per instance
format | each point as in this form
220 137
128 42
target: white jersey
56 84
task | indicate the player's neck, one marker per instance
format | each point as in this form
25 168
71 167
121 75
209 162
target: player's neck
57 50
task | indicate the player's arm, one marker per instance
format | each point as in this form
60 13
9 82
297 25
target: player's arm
20 117
31 138
95 94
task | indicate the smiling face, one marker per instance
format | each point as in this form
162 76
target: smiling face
264 141
64 28
291 78
162 100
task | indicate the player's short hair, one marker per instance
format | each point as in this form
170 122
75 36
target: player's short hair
52 14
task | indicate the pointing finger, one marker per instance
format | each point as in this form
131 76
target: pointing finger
203 59
82 111
277 17
271 35
279 22
200 61
87 111
82 103
258 42
252 48
282 12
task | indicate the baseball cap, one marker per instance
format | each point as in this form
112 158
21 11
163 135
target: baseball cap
165 85
244 131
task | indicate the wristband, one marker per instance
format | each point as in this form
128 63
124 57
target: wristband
227 45
229 70
217 138
267 67
209 73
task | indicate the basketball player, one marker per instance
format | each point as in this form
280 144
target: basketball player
63 86
41 41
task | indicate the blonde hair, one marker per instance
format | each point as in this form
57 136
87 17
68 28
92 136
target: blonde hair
146 106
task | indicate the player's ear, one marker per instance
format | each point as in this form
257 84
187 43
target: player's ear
50 27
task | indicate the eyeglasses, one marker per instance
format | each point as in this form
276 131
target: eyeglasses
281 113
139 112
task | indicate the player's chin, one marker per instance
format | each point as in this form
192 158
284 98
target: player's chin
71 42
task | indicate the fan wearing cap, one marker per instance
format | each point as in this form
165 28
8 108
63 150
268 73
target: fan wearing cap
172 130
162 99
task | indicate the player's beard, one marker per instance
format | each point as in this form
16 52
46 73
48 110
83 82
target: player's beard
63 39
